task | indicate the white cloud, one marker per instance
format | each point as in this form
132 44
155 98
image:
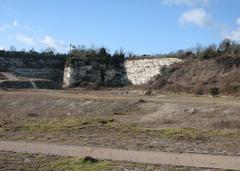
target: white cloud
8 26
238 21
51 42
198 17
1 48
5 27
185 2
234 35
15 23
26 39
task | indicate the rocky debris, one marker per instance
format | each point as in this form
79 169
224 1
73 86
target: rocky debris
141 101
32 115
89 160
193 111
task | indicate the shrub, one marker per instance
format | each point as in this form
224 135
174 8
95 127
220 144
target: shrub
232 88
101 55
214 91
31 54
158 83
228 62
167 71
199 91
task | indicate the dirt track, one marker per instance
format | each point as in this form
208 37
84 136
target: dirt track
184 159
105 95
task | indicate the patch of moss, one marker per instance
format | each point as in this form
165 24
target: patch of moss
75 164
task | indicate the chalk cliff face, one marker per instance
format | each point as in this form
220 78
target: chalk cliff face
45 68
134 71
140 71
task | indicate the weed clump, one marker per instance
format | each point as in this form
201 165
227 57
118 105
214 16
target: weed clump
214 91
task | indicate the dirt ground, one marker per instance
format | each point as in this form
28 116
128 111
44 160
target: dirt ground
125 120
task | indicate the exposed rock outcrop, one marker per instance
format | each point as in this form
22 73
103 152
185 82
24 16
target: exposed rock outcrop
134 71
141 71
36 67
80 72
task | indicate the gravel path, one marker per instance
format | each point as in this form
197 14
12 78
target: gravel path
178 159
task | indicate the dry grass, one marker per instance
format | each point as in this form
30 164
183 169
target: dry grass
227 124
199 77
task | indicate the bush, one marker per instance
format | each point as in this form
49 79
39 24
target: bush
158 83
101 55
167 71
214 91
229 62
199 92
118 58
232 88
31 54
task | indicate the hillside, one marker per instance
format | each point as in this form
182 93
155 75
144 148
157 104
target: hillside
201 76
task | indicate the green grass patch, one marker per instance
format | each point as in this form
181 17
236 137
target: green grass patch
1 129
197 134
176 133
74 164
47 126
59 124
52 125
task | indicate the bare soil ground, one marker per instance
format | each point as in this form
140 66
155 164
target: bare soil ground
123 120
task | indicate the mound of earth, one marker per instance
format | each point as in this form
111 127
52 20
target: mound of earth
199 77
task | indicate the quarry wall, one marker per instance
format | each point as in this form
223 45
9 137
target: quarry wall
37 67
134 71
140 71
80 72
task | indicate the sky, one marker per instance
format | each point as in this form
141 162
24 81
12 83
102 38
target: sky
136 26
